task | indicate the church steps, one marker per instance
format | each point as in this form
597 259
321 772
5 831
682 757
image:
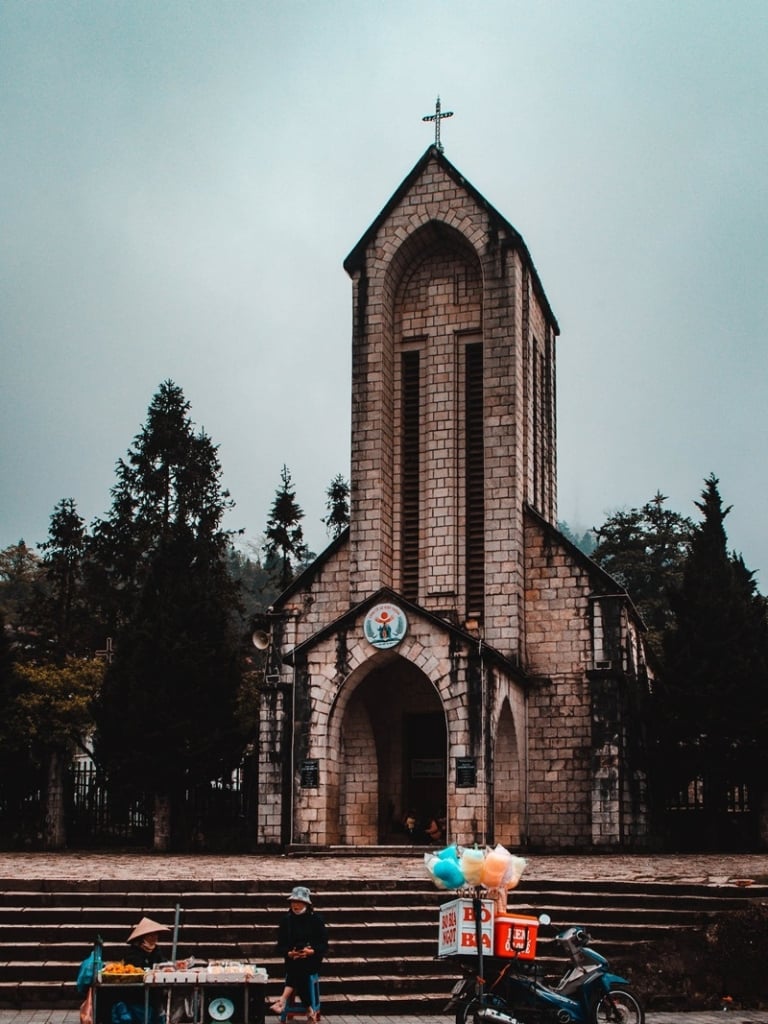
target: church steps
383 935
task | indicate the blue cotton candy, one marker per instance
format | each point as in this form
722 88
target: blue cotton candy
449 873
449 853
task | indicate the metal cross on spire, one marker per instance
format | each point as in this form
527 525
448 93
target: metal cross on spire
437 117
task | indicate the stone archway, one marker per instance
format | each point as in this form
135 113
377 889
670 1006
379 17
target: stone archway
393 752
507 786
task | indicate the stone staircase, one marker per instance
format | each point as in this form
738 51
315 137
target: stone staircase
383 934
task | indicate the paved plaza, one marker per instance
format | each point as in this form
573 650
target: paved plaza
703 1017
702 869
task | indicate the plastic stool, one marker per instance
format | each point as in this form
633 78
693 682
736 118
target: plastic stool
295 1007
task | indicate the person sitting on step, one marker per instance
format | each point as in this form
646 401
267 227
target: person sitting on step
302 941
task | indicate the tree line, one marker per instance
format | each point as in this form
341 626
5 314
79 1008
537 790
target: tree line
169 702
163 706
706 719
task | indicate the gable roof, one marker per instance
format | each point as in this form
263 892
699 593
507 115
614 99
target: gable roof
604 584
513 239
385 594
308 573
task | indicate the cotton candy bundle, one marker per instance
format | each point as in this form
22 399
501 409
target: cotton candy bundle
495 866
471 862
514 872
445 869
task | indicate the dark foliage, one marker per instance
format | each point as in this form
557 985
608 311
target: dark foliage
644 549
61 606
713 695
585 541
166 717
19 575
167 712
717 966
284 548
337 504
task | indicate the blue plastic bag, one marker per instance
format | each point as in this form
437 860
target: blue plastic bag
86 974
123 1013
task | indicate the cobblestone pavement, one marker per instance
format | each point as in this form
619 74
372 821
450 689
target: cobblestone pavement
709 869
700 1017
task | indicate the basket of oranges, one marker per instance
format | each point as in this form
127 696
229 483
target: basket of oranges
118 973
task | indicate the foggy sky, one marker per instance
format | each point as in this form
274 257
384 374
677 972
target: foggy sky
181 182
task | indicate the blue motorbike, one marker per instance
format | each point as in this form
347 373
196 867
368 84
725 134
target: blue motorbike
513 993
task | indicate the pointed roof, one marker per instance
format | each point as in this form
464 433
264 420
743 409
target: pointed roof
604 584
491 654
512 237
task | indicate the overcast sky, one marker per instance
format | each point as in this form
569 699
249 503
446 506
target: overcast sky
181 181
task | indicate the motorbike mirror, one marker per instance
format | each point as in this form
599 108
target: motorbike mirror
545 919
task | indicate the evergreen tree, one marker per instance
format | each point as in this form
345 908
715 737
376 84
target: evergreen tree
584 542
20 572
257 589
713 695
166 719
644 550
61 610
284 546
170 482
337 504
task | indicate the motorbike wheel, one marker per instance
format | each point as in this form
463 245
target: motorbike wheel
465 1013
619 1006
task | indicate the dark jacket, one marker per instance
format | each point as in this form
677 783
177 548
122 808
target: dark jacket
295 931
140 958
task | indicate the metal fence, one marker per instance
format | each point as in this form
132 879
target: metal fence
218 816
693 824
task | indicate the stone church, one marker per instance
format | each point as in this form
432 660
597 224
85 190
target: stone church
451 655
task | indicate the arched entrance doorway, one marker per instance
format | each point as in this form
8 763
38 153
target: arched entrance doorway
393 754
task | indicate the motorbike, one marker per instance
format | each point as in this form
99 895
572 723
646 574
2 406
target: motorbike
512 991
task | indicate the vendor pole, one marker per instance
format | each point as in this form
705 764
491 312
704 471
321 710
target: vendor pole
174 949
477 909
175 933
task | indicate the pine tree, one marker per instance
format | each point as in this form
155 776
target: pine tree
284 548
61 607
585 542
713 695
337 504
20 572
166 720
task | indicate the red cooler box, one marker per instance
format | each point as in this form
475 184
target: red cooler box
514 936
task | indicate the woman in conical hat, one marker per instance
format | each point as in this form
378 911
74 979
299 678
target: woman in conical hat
142 951
143 943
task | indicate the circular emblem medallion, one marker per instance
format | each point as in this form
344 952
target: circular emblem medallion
385 625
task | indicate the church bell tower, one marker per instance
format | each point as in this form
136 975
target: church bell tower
453 403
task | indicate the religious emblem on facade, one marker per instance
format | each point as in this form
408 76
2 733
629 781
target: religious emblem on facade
385 625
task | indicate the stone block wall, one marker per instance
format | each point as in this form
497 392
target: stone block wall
558 655
437 307
339 732
399 297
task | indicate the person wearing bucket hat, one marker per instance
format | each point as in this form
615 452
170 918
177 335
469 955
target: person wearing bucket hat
302 941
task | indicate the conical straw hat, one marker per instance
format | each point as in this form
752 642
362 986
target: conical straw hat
146 926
